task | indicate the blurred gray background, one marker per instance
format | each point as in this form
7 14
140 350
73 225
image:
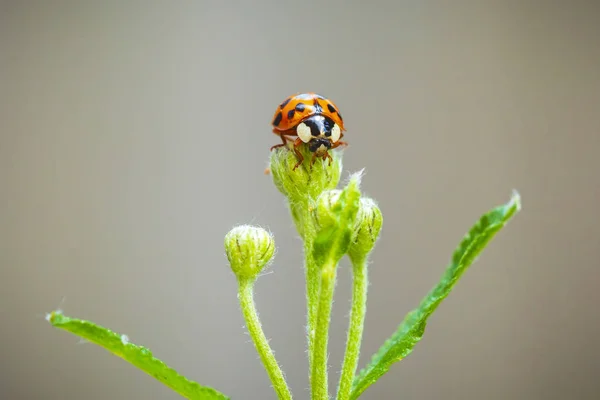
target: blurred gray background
134 135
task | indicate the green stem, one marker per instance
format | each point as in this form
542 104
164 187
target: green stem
323 315
246 297
355 331
303 219
312 297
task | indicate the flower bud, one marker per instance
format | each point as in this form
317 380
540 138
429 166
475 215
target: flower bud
305 182
326 210
366 229
249 249
335 217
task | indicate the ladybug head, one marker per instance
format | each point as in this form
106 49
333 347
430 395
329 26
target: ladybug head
319 132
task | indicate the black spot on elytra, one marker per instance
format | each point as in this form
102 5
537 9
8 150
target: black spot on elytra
290 114
285 103
277 119
331 108
300 107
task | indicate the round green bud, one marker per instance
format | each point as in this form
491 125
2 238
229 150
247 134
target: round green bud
307 181
339 206
249 249
335 216
325 212
366 229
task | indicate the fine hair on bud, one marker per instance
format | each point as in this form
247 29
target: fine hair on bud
307 181
249 249
323 213
369 221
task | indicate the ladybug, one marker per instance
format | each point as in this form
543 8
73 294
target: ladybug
314 120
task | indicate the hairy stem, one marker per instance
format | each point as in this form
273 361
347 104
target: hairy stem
319 374
246 298
312 297
311 271
355 331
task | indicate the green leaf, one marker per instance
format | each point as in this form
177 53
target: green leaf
139 356
411 330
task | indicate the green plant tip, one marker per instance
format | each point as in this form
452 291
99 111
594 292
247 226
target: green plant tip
332 223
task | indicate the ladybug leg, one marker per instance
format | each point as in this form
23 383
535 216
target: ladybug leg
327 155
297 143
338 144
283 140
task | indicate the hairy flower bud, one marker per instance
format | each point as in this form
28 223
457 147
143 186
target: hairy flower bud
249 249
335 217
327 208
366 229
306 182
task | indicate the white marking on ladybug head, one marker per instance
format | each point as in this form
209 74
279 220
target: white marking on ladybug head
335 133
304 132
